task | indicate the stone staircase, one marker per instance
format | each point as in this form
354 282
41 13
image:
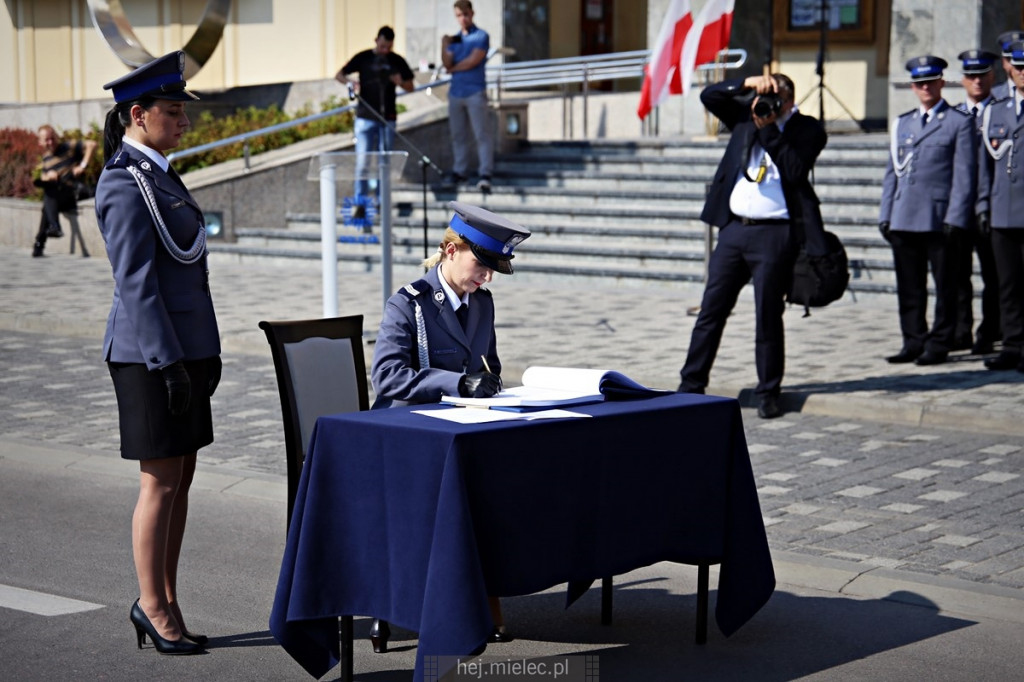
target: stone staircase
623 212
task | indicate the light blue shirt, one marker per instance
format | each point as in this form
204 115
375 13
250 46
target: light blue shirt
466 83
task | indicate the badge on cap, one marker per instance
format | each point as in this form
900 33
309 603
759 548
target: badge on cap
512 242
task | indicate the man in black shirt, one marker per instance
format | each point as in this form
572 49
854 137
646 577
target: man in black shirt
379 70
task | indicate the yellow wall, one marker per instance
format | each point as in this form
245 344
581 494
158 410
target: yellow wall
51 52
849 75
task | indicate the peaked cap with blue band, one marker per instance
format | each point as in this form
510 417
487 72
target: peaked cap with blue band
976 61
161 78
490 236
926 68
1006 40
1017 53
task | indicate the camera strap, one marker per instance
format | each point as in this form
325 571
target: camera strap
762 167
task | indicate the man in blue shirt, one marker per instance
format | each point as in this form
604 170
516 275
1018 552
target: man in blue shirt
464 55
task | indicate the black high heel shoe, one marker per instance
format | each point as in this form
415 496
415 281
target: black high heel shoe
201 640
143 627
380 631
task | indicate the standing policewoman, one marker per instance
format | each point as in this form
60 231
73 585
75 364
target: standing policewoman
437 335
161 344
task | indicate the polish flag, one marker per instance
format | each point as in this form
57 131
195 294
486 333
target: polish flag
662 75
671 73
715 18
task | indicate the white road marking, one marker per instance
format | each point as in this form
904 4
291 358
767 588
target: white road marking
40 603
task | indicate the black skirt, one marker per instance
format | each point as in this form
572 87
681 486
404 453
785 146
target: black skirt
148 429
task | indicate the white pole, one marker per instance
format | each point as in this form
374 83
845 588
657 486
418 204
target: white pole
329 237
385 224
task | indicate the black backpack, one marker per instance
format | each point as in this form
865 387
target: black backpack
819 280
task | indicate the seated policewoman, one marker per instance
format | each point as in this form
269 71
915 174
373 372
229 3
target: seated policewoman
162 344
437 335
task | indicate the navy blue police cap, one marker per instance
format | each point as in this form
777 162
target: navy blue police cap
926 68
1007 39
161 78
1017 53
976 61
490 236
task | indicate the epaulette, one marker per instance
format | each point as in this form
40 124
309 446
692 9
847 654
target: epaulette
962 113
481 290
417 288
120 160
907 113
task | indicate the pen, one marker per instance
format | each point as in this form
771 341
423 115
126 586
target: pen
486 366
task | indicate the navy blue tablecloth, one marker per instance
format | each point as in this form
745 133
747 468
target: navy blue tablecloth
417 520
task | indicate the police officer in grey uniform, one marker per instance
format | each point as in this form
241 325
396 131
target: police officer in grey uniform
927 199
1001 209
162 343
978 76
437 335
1005 40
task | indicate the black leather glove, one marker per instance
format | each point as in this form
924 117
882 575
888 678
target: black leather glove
179 388
479 385
213 367
984 224
883 227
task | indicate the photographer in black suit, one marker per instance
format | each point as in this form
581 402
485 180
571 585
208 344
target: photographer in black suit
380 70
761 198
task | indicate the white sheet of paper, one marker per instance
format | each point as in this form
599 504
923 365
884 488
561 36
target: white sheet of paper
472 415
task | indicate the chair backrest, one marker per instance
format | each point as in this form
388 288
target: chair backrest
321 369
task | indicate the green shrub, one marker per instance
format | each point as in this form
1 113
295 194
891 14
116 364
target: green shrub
20 153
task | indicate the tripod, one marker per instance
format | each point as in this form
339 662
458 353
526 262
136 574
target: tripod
820 71
424 161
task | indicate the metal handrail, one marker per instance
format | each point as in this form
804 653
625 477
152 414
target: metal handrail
515 75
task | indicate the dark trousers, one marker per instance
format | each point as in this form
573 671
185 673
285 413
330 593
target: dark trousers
49 217
1008 250
988 329
913 253
764 254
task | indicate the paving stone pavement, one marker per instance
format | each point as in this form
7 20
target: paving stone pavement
891 467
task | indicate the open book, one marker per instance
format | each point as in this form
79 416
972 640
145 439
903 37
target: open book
550 386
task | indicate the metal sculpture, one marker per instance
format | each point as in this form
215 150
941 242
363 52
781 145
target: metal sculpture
109 18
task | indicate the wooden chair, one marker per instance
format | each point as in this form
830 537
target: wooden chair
321 369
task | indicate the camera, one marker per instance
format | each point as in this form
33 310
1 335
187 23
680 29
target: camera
457 38
767 104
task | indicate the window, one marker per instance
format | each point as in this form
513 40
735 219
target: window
848 21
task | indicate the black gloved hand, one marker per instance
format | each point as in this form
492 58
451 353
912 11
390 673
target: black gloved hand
179 388
213 367
984 224
479 385
883 227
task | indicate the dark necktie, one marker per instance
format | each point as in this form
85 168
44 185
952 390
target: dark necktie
463 314
974 111
924 119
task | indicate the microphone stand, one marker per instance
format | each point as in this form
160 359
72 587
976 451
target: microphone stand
424 161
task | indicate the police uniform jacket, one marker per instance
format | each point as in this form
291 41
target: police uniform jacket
930 175
397 374
794 150
1001 181
162 311
1002 90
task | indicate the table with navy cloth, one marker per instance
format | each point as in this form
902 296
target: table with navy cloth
417 520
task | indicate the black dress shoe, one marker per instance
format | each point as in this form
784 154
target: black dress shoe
904 356
769 407
499 636
1003 361
932 357
962 344
683 388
